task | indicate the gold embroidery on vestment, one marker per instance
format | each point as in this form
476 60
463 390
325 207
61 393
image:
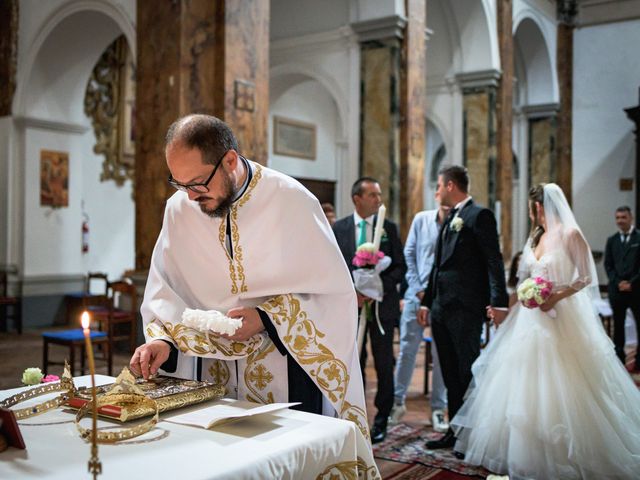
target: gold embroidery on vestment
189 340
257 377
349 470
304 342
236 268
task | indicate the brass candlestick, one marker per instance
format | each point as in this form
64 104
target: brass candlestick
95 467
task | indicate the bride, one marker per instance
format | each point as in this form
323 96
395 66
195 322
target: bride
549 398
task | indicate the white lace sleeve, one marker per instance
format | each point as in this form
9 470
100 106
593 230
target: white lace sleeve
580 255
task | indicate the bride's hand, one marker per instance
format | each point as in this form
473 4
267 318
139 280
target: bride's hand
549 304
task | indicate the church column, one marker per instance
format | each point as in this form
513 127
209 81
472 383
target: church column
413 99
543 139
195 56
633 114
504 124
567 11
479 132
8 55
380 65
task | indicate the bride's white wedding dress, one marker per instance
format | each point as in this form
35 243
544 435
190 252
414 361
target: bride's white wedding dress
549 398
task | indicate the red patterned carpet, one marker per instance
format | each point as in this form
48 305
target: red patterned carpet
405 444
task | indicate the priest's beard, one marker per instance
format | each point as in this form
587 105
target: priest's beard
225 202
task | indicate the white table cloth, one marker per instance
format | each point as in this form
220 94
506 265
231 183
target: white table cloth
283 445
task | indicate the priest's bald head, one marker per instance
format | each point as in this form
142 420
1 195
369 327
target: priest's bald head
203 160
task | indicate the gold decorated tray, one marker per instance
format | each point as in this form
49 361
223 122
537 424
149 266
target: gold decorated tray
168 392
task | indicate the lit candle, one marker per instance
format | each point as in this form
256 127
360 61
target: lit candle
377 234
94 465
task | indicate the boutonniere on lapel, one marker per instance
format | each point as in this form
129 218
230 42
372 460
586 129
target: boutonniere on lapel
456 224
385 237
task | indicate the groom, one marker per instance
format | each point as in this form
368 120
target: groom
467 276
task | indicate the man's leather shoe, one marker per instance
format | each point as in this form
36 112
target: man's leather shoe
458 455
446 441
378 433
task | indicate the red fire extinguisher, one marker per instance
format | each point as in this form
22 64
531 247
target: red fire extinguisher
85 233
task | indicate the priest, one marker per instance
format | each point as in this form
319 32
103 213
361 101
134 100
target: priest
253 243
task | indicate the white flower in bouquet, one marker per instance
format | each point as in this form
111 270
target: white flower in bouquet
457 223
533 292
205 320
32 376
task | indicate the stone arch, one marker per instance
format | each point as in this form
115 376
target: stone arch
474 34
436 153
49 110
102 9
285 76
534 62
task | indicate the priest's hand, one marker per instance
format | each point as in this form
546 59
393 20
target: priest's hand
251 323
148 358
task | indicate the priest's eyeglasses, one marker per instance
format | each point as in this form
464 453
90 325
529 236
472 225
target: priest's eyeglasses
196 187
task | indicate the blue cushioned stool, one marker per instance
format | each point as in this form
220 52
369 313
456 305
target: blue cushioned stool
72 339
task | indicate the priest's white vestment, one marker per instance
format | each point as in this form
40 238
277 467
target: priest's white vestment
282 258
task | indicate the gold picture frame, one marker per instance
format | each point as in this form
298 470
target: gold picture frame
294 138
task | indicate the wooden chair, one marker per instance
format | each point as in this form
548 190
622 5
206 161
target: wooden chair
72 339
92 298
122 309
10 299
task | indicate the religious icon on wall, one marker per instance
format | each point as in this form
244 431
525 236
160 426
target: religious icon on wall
294 138
54 179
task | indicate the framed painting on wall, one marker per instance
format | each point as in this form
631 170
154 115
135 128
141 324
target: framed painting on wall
294 138
54 179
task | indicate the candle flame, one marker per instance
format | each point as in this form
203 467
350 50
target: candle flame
84 319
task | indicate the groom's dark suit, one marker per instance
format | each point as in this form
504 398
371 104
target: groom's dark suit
467 275
388 309
622 262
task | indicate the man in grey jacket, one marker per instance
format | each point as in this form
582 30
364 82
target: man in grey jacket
419 255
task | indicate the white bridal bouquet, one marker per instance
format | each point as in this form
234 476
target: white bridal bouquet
206 320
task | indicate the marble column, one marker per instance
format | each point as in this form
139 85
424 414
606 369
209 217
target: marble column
479 91
567 12
504 124
381 61
8 54
195 56
413 96
543 141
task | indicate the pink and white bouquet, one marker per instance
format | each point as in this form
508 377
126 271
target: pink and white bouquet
534 291
367 255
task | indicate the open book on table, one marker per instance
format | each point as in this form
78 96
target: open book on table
224 413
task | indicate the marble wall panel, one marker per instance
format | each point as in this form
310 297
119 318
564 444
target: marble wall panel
542 148
379 128
479 144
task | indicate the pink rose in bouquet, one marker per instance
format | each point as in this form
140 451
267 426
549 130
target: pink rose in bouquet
367 256
535 291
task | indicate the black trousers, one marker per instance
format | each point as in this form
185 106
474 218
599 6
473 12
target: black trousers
457 336
382 351
620 302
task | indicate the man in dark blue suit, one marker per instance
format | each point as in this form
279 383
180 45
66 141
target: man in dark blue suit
467 276
350 232
622 263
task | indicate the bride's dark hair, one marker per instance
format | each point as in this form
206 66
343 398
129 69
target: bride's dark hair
536 194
